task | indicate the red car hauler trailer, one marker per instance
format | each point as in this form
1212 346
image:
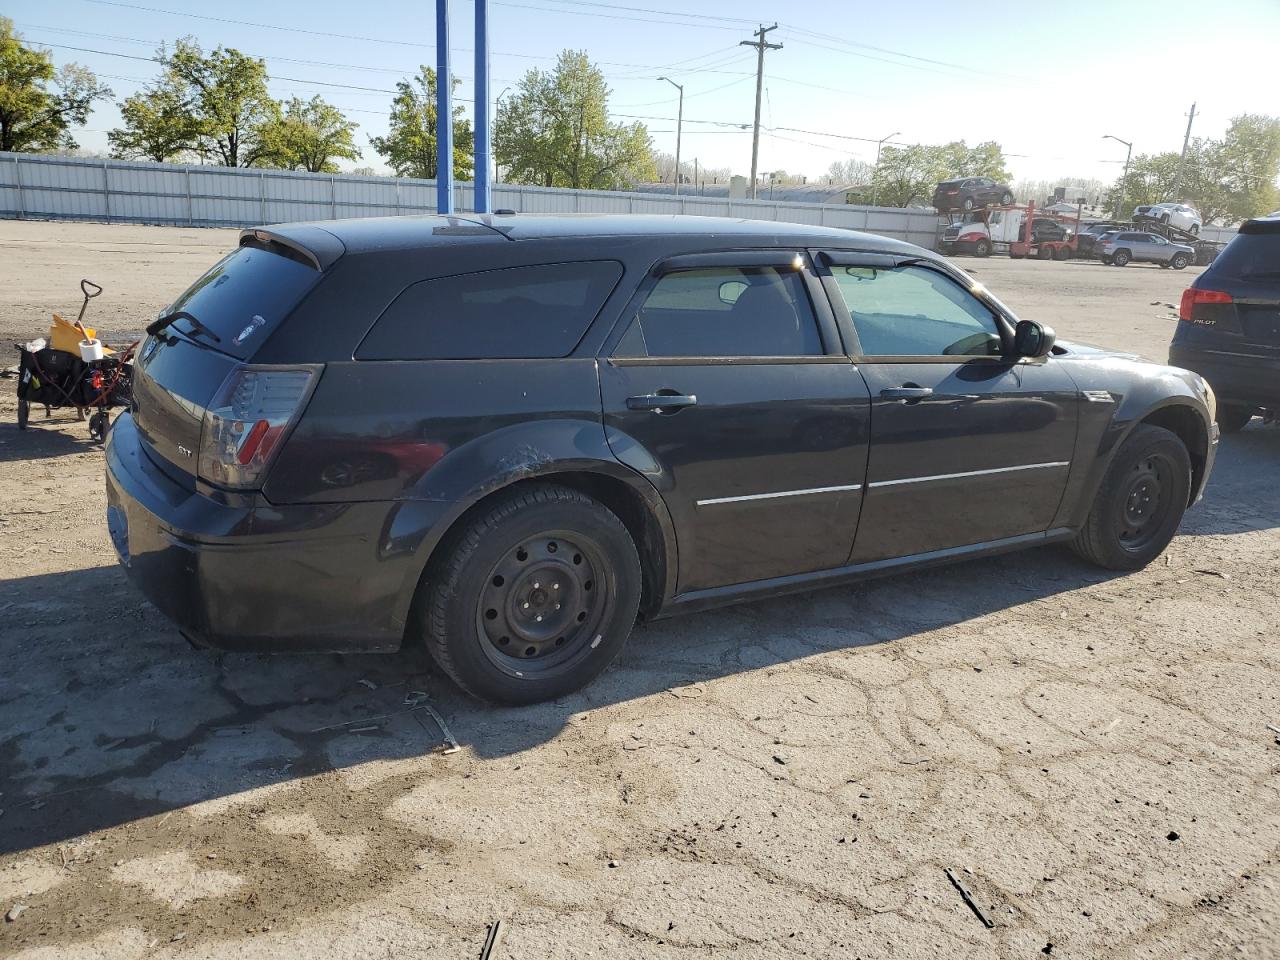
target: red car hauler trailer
1003 229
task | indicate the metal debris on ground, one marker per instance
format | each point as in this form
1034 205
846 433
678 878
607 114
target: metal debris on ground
444 728
491 942
1273 728
17 910
968 898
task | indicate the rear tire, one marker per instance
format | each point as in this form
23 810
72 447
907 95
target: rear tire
1062 253
1232 418
544 551
1121 258
1044 253
1140 503
1006 198
968 204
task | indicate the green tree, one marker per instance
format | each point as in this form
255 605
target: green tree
554 130
40 104
1228 180
1248 164
226 95
410 144
158 124
311 135
907 175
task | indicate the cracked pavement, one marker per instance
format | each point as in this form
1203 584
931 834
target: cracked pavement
1089 753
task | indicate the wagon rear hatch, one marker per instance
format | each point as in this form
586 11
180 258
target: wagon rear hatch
1237 300
222 321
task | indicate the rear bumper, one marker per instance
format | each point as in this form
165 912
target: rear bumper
1235 378
241 573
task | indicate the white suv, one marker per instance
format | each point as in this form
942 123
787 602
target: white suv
1174 214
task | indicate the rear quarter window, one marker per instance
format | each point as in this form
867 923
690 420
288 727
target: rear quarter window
243 297
539 311
1250 256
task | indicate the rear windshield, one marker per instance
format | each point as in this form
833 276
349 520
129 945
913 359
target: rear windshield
1251 255
517 312
242 299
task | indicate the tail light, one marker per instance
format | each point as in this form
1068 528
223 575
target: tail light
248 419
1191 297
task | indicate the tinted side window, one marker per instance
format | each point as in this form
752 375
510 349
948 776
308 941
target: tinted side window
517 312
728 312
1250 255
915 311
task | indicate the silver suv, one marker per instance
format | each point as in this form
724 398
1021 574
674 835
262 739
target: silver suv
1124 246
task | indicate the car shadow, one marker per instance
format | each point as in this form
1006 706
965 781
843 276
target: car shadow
107 716
1242 495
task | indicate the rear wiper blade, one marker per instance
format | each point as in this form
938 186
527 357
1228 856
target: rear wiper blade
155 326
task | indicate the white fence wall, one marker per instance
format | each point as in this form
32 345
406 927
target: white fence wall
69 188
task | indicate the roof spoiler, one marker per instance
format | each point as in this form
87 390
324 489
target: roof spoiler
1261 225
312 245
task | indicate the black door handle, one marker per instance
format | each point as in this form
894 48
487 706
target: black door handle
661 402
906 392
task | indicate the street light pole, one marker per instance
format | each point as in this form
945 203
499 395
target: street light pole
679 127
879 144
1124 178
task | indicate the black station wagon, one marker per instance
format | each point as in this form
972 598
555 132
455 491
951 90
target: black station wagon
509 436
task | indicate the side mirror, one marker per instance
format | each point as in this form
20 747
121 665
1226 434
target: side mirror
1031 339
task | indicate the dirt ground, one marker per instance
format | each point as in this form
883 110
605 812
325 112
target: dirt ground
1089 753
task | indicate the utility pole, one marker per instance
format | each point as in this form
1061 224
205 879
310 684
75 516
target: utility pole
679 126
1186 142
761 46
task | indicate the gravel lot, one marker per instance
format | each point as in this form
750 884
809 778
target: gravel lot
1089 753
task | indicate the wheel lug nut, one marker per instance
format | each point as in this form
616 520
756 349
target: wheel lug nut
557 606
555 586
526 605
536 584
538 618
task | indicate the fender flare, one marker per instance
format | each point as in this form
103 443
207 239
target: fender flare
505 457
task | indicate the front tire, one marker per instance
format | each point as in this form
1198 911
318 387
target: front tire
1179 261
982 248
534 597
1006 198
1232 418
968 204
1140 503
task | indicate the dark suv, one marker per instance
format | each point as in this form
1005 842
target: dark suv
1230 332
507 436
969 193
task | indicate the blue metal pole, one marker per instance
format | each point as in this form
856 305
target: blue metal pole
484 187
444 113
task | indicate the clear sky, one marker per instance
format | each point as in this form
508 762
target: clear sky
1046 81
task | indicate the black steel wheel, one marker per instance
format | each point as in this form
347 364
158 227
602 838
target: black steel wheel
1140 503
534 597
24 414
